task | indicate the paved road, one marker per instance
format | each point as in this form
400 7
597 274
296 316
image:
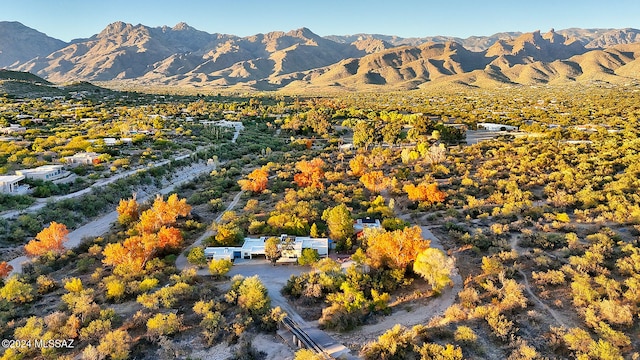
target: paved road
274 279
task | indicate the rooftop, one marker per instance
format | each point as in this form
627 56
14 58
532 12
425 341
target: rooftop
11 178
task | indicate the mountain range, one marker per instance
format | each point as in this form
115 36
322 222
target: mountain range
299 59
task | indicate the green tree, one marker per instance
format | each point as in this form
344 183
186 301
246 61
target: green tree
220 267
308 257
363 134
253 296
340 225
271 249
435 267
196 256
313 232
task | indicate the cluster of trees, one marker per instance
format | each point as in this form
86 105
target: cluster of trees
365 287
153 233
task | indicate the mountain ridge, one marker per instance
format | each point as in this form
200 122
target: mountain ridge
184 56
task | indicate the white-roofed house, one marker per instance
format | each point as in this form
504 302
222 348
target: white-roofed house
10 184
45 172
82 158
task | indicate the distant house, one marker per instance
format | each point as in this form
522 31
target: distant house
230 124
110 141
45 172
219 253
496 127
82 158
366 223
13 129
10 184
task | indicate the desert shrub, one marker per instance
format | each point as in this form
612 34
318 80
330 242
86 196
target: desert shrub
16 291
437 351
115 344
73 285
115 289
85 263
163 324
45 284
306 354
219 268
213 322
168 296
147 284
544 241
465 334
95 330
396 343
551 277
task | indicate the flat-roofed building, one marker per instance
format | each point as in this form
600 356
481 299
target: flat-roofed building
496 127
82 158
13 129
366 223
255 247
10 184
217 253
45 172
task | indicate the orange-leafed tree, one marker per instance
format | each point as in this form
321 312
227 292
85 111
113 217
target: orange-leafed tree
311 173
425 192
256 181
154 234
126 257
162 213
136 251
128 211
5 269
375 181
395 249
51 238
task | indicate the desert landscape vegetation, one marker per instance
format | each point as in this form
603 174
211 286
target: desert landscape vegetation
496 177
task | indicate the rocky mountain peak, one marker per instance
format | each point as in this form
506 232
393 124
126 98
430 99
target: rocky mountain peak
182 26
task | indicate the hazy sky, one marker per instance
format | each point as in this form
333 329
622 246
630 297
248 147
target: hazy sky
67 19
